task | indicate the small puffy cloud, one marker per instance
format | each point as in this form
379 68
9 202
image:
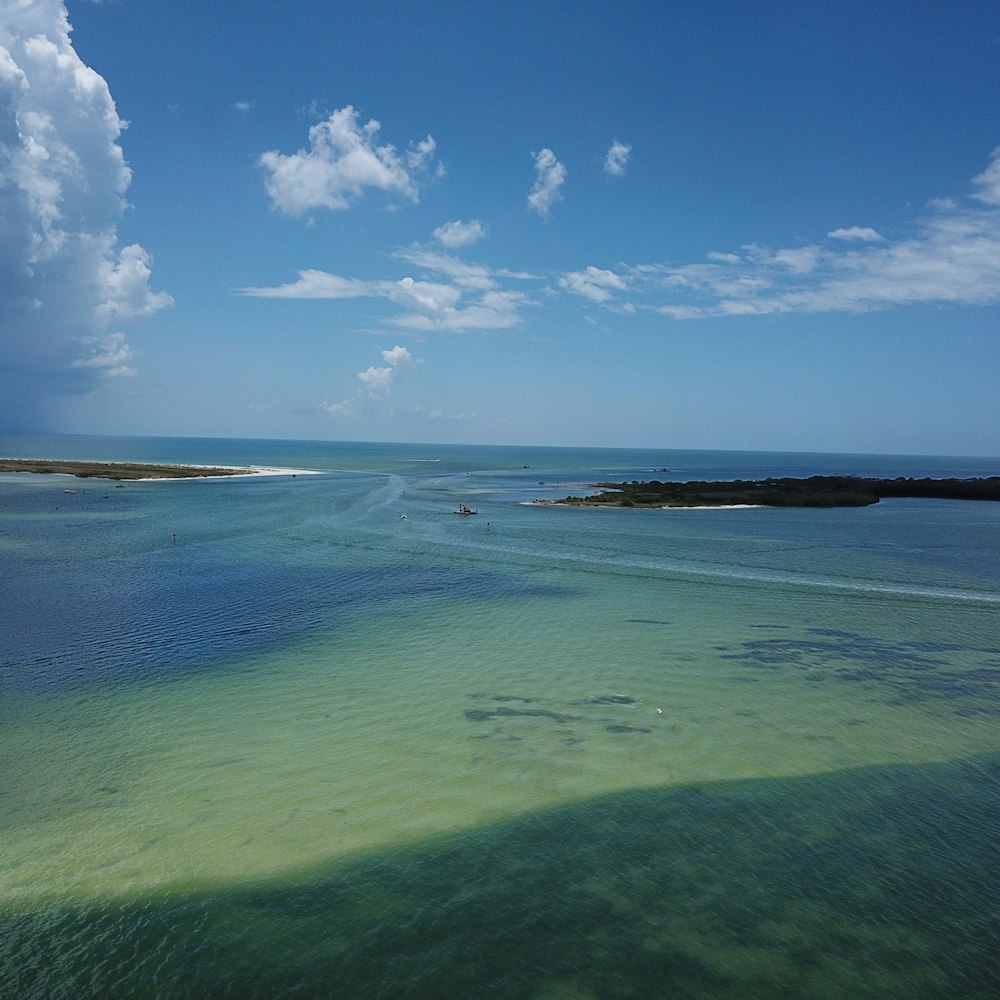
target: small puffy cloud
397 357
593 283
378 379
420 155
63 182
345 408
616 158
860 234
460 234
243 106
125 285
343 159
550 175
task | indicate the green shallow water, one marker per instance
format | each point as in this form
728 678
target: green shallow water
359 740
316 749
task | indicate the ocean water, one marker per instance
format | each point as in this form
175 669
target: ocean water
317 736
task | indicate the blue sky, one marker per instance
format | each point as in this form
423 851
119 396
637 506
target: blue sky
720 225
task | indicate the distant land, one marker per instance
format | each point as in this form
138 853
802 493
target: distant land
815 491
116 470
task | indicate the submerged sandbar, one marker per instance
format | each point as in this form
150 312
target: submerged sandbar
121 470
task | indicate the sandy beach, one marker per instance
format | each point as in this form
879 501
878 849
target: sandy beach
140 470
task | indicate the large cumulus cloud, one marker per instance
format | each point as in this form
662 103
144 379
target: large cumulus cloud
65 283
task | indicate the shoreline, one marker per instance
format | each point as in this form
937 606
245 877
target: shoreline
666 506
141 471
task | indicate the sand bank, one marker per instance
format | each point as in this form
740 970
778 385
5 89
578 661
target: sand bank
140 470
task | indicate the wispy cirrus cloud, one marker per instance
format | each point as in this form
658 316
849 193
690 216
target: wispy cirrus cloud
470 297
550 175
987 184
593 283
951 256
862 233
342 160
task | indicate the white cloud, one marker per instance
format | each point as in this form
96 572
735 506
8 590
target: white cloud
465 274
593 283
470 299
125 285
313 284
459 234
425 296
800 260
420 155
63 181
345 408
942 204
988 182
109 355
343 159
243 106
550 175
397 356
492 311
479 303
952 256
377 380
616 158
859 233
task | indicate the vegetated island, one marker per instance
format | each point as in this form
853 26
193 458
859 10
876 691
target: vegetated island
815 491
116 470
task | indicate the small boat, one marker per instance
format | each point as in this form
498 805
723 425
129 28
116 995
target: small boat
462 509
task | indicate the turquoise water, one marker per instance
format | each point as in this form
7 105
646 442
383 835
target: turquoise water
334 740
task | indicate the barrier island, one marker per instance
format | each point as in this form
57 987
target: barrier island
814 491
117 470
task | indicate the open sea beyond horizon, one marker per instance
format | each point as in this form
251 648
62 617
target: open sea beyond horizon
317 736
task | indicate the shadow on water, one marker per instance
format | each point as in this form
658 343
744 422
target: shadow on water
879 882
